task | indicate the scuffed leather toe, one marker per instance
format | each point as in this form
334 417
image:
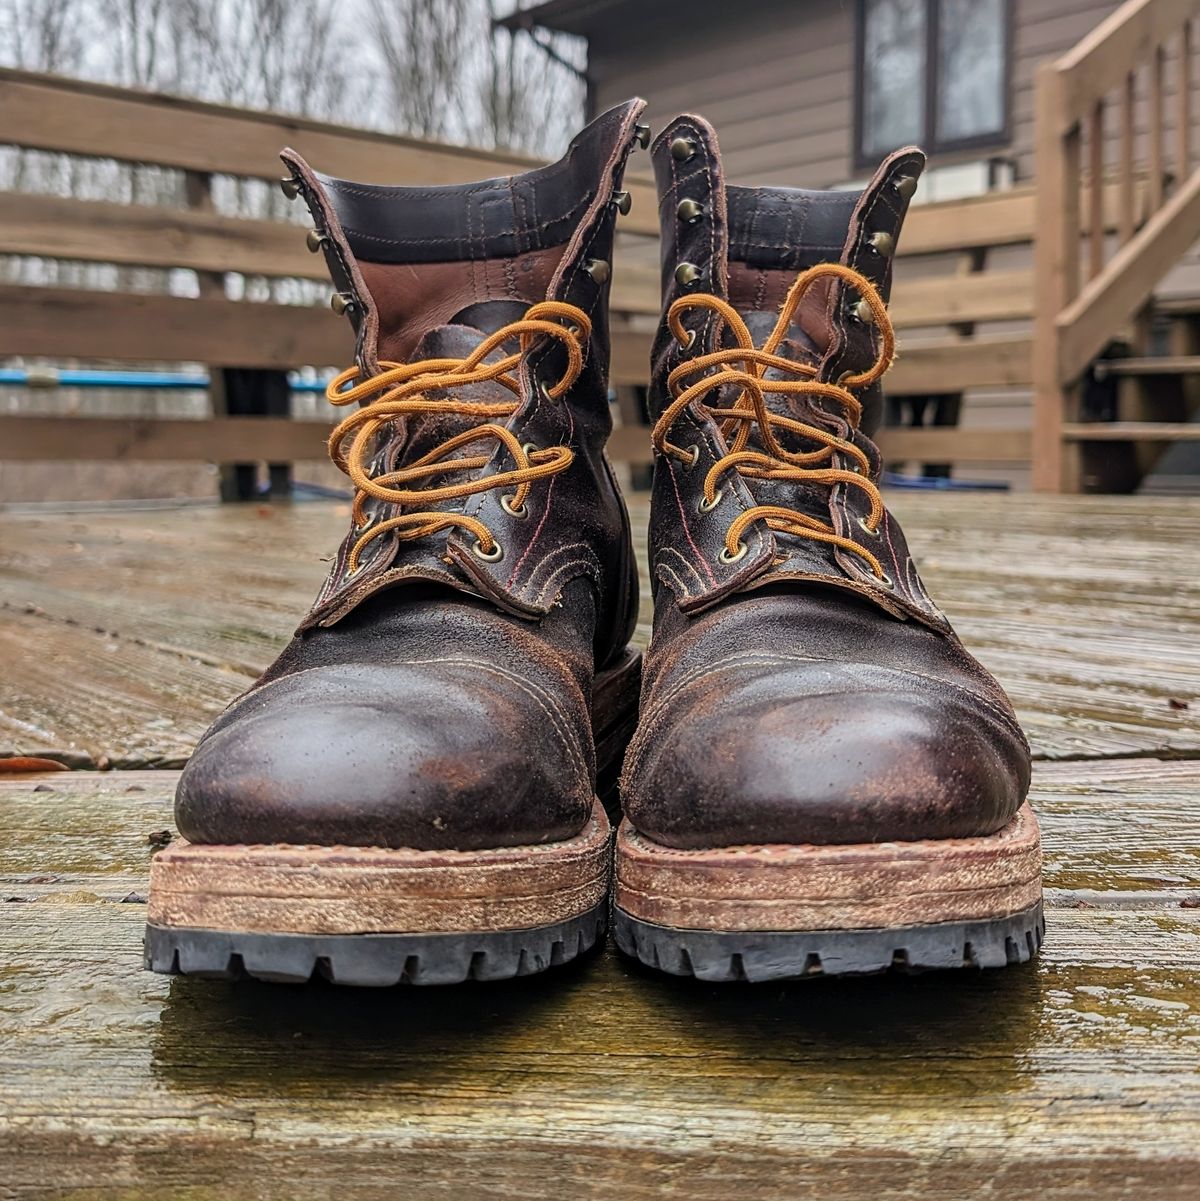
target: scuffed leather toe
452 755
823 752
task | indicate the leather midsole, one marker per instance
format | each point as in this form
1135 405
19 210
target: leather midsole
843 887
286 889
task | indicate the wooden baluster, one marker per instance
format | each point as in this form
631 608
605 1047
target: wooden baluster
1095 135
1056 463
1156 166
197 191
1183 115
1125 164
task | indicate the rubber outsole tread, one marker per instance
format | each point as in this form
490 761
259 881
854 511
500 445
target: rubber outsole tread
757 956
372 960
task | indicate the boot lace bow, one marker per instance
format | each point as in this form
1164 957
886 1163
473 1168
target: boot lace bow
405 390
745 366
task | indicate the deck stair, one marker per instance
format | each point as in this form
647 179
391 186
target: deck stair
1105 119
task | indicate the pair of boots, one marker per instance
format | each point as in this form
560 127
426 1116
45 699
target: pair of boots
819 779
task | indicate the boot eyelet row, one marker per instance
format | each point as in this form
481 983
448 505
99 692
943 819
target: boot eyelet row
682 149
883 244
491 556
861 312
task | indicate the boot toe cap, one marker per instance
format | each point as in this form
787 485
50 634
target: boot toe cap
388 757
829 753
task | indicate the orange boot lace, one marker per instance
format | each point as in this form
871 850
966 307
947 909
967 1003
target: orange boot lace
746 365
401 390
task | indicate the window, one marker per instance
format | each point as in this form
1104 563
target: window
934 72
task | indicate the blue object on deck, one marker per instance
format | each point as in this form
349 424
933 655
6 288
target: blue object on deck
54 377
941 483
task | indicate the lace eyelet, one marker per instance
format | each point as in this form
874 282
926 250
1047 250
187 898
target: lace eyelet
529 449
865 526
705 507
694 451
687 345
740 553
544 391
492 556
511 509
884 581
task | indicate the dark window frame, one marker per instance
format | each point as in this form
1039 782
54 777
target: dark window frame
993 140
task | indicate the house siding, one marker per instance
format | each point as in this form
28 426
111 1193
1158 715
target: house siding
776 79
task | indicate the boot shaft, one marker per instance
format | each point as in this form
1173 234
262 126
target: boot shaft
746 248
429 275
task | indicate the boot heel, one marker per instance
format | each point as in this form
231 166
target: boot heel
615 697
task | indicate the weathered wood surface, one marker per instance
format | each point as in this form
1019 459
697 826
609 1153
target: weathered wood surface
1077 1078
121 635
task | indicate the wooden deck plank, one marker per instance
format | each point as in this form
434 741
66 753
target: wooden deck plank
93 698
1087 608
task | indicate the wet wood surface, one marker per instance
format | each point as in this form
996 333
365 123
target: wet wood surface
122 634
1074 1079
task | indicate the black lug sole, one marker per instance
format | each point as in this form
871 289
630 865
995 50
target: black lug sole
372 960
758 956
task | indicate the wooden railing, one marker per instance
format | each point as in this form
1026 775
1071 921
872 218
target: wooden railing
947 322
1093 134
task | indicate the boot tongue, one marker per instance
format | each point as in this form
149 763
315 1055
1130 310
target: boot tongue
414 299
799 347
421 433
403 441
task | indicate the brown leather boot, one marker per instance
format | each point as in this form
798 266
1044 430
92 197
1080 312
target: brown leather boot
410 791
823 780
